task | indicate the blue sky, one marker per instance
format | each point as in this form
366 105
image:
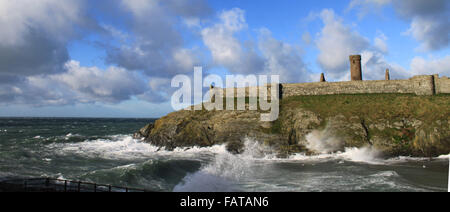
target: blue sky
116 58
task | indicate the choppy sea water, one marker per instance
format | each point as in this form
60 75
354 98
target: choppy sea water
103 151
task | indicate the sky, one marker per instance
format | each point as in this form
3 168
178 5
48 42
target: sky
116 58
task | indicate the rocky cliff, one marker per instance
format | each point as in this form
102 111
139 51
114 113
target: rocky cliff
396 124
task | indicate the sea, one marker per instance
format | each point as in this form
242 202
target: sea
103 151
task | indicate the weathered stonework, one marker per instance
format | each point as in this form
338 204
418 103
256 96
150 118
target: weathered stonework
355 67
322 78
387 76
419 85
442 85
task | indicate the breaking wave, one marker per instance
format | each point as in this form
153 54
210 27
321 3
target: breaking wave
212 169
226 170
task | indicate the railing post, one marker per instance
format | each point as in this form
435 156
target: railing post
109 187
79 186
126 189
95 187
47 182
65 185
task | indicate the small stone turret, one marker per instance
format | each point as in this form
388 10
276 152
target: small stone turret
322 78
387 76
355 67
212 97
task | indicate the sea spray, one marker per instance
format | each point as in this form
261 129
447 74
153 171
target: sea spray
226 170
323 141
329 146
366 154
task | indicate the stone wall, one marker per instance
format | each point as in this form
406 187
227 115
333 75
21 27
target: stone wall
442 85
247 92
419 85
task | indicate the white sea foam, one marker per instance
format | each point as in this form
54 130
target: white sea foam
363 155
444 157
331 148
119 146
125 147
226 170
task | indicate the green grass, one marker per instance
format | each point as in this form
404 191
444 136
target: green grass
392 107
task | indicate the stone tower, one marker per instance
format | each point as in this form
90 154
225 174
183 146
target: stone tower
355 67
387 75
322 78
212 96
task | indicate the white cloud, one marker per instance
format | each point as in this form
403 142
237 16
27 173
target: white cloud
336 42
374 66
282 59
34 59
233 20
306 38
433 34
367 6
94 85
440 66
266 55
34 34
429 20
156 45
17 18
380 43
77 85
226 49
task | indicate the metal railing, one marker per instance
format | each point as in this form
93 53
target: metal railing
59 185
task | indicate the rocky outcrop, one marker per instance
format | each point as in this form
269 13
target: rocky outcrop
144 132
203 128
403 135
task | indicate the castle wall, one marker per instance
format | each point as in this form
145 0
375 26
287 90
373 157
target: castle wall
442 85
420 85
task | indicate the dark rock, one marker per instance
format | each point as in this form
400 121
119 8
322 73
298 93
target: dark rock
144 132
235 147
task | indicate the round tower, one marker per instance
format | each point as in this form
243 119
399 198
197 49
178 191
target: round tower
355 67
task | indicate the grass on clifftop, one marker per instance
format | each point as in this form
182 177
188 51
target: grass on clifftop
375 106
